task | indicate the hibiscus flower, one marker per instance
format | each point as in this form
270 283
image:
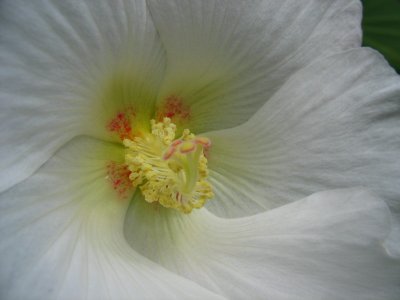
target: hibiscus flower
196 150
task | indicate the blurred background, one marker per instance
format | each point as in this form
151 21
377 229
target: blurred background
381 28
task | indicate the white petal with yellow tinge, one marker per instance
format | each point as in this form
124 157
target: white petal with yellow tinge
61 235
66 67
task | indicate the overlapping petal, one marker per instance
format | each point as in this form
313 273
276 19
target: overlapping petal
335 123
66 68
326 246
62 237
226 58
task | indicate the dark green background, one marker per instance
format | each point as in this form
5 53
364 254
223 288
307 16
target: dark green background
381 28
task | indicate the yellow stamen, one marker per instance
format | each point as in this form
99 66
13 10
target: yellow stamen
169 171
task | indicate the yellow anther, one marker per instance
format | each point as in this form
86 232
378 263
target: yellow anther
165 130
169 171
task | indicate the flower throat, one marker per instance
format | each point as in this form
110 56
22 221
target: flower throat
168 170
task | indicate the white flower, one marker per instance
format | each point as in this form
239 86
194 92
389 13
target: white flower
291 104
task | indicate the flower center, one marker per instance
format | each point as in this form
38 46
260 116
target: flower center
169 171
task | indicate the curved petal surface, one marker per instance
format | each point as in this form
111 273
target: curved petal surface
66 69
226 58
326 246
334 124
61 235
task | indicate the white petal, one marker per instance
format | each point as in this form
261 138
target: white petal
61 235
66 68
226 58
392 243
334 124
327 246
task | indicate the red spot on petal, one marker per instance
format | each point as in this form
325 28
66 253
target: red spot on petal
118 175
174 108
121 124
